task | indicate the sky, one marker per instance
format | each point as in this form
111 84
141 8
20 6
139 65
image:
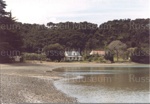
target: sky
95 11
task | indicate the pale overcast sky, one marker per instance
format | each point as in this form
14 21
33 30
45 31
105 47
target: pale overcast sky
96 11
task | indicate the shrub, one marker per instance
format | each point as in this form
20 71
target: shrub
140 56
34 56
55 52
94 58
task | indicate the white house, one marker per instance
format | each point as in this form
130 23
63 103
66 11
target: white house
72 56
98 52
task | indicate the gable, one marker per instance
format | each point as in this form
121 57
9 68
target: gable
72 53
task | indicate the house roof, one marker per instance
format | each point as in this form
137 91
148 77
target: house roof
72 54
97 52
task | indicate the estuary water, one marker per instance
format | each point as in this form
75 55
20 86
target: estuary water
129 84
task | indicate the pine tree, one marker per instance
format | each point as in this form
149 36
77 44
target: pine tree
10 40
2 8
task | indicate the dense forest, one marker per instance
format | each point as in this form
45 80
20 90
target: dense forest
84 36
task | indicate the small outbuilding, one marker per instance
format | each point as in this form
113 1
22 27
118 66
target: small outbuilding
17 58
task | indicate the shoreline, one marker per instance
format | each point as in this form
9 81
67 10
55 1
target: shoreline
40 77
19 85
89 64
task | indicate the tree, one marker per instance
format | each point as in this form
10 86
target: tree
2 7
140 56
51 25
92 44
109 56
117 47
54 52
10 40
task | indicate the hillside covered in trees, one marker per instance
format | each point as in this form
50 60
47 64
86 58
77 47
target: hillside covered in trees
86 36
83 36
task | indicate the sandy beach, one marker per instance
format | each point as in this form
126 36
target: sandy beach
32 82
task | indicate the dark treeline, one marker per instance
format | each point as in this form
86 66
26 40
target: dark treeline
84 35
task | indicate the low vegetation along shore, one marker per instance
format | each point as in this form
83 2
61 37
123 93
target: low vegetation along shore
32 82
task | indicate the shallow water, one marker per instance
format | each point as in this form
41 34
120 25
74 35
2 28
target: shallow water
106 84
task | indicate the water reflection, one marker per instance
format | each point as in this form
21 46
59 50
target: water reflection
101 83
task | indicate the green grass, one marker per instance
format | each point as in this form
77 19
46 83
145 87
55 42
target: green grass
120 60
